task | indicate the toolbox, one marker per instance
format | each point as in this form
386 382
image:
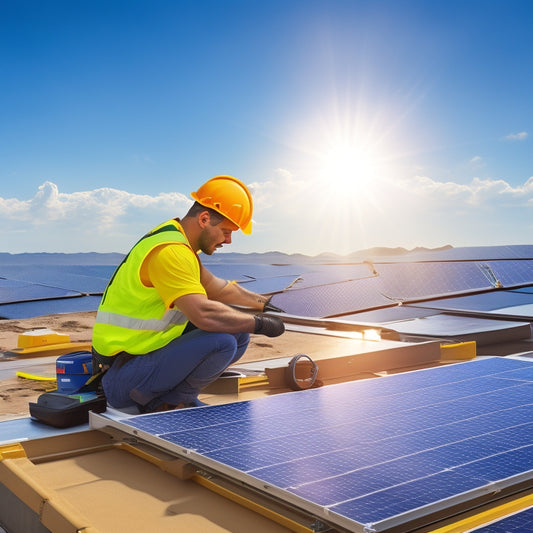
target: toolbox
73 370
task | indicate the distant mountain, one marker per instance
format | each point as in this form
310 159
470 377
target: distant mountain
377 254
326 257
381 252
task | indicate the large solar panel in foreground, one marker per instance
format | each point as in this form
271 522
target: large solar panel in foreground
372 454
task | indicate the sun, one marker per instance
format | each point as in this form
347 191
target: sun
351 168
349 165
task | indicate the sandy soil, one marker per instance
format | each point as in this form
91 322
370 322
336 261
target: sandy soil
16 393
77 325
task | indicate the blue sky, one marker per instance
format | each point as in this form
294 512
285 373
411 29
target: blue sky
355 123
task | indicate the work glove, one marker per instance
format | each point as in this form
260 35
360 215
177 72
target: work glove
271 326
269 307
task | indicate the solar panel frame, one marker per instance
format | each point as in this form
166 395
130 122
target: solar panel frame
384 425
390 314
494 302
527 290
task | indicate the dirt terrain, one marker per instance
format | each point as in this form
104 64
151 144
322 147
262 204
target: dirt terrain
16 392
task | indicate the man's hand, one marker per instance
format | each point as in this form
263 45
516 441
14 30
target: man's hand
271 326
269 307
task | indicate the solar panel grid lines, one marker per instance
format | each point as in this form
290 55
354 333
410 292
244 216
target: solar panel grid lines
405 469
19 291
80 278
421 280
334 299
373 453
373 395
512 272
330 274
384 508
236 432
351 288
518 375
66 304
269 285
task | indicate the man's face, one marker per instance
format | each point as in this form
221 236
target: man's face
214 237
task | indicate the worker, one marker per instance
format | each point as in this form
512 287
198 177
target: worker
166 326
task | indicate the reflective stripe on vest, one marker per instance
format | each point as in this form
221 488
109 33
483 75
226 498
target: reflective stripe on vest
174 316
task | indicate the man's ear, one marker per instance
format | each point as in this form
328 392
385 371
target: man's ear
204 219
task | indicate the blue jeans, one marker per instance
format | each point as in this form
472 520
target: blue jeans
175 373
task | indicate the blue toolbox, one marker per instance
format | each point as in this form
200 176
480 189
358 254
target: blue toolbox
72 371
70 404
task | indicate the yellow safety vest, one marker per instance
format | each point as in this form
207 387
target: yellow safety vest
132 318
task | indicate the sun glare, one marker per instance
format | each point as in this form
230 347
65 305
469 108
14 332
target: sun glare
351 169
351 176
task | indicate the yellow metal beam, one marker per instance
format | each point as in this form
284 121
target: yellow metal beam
290 524
486 517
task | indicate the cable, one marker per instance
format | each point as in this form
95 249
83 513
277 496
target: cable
300 383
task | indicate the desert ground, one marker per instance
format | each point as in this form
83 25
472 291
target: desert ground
16 392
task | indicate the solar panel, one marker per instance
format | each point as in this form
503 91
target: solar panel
333 290
390 314
512 272
80 278
372 454
461 328
48 307
527 290
269 285
247 271
496 302
421 280
333 299
19 291
328 274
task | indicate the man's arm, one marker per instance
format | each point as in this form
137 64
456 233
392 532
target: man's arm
211 315
230 293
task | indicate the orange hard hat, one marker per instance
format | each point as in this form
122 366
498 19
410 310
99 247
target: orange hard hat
230 197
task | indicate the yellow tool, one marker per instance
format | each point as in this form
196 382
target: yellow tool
25 375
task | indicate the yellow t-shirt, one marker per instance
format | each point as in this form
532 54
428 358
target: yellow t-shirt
174 271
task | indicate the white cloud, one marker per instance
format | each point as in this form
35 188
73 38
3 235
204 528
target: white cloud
479 192
292 214
94 220
295 214
522 136
278 189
